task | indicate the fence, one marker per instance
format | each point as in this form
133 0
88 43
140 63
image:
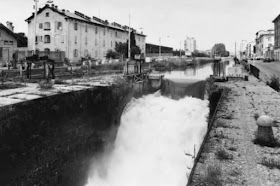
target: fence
58 56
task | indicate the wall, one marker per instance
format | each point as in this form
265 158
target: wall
51 141
6 53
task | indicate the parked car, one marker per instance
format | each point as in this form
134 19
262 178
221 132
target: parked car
267 60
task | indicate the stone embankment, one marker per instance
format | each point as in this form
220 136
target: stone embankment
48 137
230 154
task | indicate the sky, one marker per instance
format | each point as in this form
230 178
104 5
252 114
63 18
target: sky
209 21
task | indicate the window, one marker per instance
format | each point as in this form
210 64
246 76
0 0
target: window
104 32
75 53
116 34
86 53
86 40
47 50
111 43
41 25
59 25
75 26
76 39
96 30
47 14
96 43
104 42
86 28
47 39
47 26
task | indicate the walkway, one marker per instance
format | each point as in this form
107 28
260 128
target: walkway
232 137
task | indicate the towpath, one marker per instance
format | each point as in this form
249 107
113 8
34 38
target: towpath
230 152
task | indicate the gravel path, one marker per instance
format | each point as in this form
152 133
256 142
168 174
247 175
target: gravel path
230 148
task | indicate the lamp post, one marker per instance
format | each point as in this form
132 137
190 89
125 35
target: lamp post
35 22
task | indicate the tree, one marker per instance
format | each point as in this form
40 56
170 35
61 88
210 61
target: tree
111 54
121 49
219 49
134 49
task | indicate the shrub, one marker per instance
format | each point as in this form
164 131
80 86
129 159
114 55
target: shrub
271 163
212 176
274 83
59 81
222 154
111 54
45 85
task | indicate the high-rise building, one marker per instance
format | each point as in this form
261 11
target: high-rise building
189 45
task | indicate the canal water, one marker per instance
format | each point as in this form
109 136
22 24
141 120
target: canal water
158 136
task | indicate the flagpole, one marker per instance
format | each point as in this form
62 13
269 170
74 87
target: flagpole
129 38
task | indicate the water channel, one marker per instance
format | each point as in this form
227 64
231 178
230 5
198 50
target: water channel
159 133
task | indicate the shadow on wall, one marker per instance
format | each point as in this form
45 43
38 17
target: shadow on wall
180 88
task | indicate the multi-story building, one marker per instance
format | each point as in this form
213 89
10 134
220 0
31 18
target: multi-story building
189 45
77 34
8 43
264 43
250 49
276 22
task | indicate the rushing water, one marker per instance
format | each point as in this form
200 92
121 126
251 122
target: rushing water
155 135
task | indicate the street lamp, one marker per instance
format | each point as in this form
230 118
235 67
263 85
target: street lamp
35 21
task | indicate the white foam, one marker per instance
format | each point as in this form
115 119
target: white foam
154 135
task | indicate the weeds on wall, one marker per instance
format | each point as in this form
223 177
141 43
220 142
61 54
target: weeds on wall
222 154
274 83
270 163
212 176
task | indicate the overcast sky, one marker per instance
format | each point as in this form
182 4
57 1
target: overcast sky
209 21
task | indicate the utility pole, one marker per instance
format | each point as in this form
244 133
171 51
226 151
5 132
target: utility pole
35 24
180 49
159 50
235 49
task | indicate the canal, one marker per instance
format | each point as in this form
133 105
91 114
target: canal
159 134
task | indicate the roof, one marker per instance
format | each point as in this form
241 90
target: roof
8 30
276 18
81 17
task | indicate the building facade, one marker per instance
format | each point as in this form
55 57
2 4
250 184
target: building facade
153 50
76 34
8 43
189 45
276 22
264 44
250 52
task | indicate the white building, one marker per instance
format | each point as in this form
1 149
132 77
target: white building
77 34
264 43
189 45
250 49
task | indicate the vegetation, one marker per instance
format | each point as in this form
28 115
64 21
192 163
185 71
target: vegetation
196 53
112 54
45 85
111 66
178 52
271 163
219 49
274 83
222 154
212 176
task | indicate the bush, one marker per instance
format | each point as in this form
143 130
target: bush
45 85
212 176
222 154
274 83
271 163
112 54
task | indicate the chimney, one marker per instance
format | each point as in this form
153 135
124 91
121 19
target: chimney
55 7
10 26
63 10
47 5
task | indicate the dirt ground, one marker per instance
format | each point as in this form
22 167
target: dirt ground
230 155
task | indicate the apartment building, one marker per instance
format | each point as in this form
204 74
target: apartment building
189 45
264 43
77 34
276 22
